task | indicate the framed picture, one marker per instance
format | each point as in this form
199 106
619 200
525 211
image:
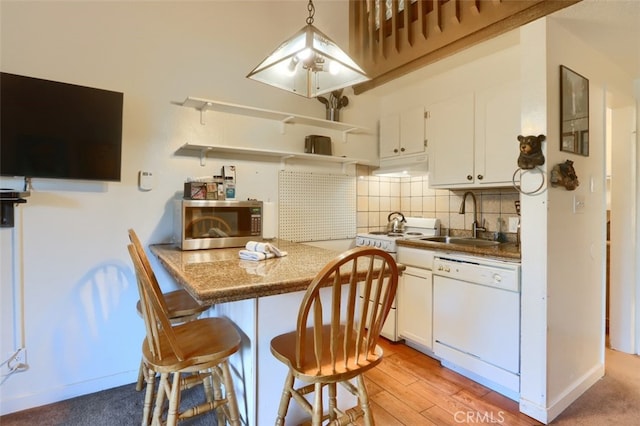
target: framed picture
568 142
574 112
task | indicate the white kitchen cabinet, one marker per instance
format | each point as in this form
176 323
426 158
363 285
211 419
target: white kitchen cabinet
402 133
472 138
415 306
450 129
497 124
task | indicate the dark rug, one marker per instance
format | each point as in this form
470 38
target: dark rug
111 407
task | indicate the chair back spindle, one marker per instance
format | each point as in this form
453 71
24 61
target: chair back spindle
353 329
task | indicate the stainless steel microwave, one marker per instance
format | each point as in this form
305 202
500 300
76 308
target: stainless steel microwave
204 224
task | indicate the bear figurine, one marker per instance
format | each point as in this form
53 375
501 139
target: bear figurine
530 151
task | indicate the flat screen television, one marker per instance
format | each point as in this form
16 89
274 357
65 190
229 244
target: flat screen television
51 129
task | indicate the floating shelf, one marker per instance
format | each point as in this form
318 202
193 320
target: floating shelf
203 150
284 118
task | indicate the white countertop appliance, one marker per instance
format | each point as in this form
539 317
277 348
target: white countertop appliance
415 227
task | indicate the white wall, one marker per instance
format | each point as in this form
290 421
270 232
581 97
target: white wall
564 253
82 331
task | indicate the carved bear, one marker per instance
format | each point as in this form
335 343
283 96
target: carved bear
530 151
564 174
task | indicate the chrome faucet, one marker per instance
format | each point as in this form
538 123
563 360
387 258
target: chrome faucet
475 226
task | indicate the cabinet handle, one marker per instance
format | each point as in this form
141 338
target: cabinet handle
480 177
395 150
469 177
402 149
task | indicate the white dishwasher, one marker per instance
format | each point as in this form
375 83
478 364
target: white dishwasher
476 319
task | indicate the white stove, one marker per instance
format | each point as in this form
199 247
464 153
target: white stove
415 227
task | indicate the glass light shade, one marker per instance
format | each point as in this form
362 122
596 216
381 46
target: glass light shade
308 64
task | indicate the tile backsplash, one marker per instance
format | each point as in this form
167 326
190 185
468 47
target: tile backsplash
377 197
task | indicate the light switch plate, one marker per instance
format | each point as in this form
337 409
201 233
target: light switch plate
578 203
513 224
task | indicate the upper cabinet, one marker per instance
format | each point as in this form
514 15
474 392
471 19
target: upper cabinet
402 133
472 138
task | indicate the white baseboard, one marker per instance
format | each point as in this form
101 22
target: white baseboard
566 398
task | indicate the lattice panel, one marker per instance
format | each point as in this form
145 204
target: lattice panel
316 207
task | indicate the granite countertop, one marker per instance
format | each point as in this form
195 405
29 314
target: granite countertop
219 275
508 251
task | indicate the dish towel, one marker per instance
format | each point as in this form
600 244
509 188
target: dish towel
260 251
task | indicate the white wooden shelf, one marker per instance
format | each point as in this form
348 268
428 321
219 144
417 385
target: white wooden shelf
202 151
284 118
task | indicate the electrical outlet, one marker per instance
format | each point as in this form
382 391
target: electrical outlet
513 224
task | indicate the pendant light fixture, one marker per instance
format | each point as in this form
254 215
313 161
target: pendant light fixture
309 64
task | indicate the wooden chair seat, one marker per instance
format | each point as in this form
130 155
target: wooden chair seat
182 307
324 353
346 367
185 354
198 353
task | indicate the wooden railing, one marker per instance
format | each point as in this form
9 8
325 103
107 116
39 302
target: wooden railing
428 30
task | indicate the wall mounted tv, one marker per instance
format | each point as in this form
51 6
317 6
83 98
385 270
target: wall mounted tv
58 130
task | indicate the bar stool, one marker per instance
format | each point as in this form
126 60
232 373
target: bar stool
190 352
323 353
181 307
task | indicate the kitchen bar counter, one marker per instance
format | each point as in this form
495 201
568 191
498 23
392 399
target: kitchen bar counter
507 251
219 275
262 299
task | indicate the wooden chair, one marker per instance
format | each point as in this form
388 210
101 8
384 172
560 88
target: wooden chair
181 307
323 353
199 349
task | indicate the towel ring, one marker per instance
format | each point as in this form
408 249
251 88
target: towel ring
513 181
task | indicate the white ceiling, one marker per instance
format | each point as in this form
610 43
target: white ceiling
610 26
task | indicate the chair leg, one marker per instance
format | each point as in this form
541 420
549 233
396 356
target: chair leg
232 403
316 418
159 404
148 396
285 399
333 402
363 396
141 376
174 401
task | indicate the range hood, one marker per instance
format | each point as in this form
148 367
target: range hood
415 165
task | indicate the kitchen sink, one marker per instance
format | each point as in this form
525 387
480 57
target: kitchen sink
462 241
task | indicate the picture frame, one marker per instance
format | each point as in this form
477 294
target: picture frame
568 142
574 112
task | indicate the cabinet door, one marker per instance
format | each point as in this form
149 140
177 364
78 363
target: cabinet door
497 130
412 131
390 136
403 133
415 306
450 132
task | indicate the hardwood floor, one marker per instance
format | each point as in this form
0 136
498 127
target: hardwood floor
410 388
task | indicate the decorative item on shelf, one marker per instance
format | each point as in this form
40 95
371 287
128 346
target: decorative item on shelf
334 104
563 174
309 64
317 144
